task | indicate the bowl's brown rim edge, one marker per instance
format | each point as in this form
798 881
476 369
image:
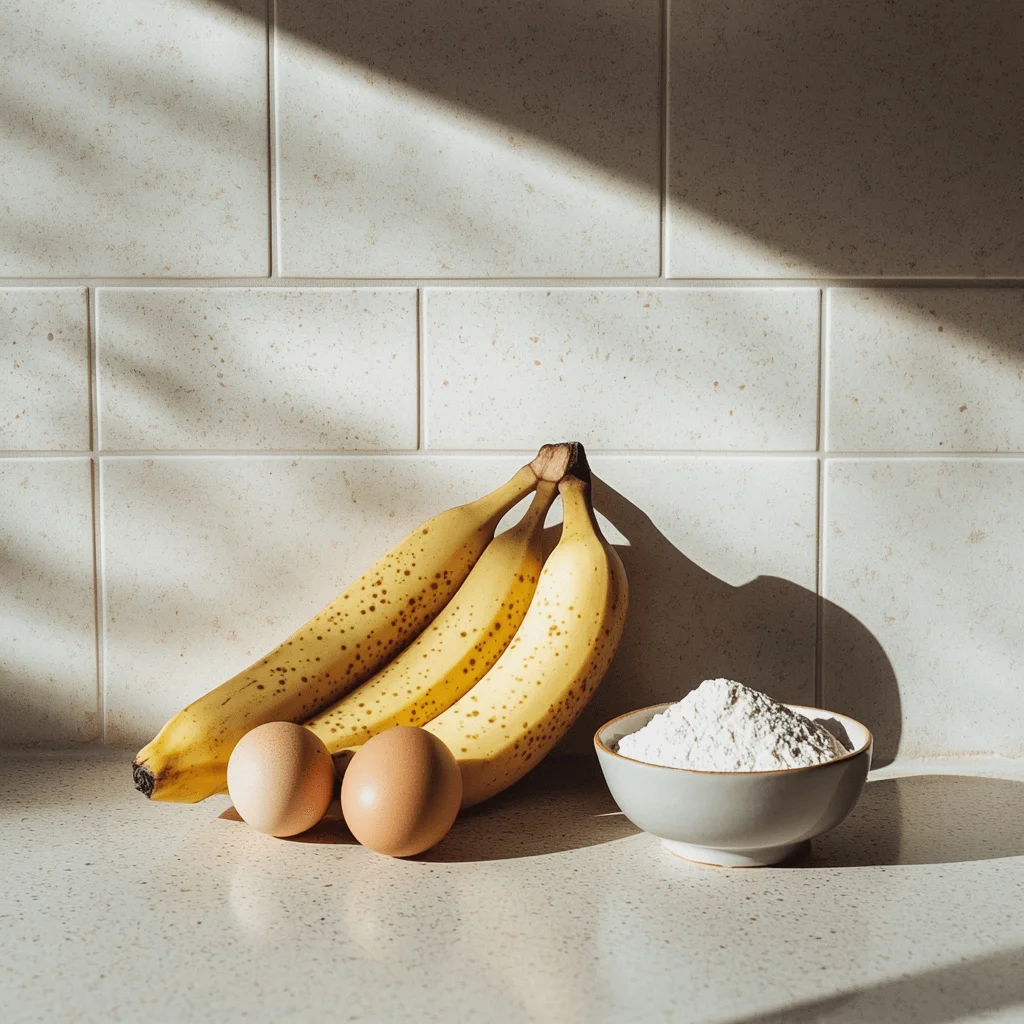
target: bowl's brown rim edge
701 771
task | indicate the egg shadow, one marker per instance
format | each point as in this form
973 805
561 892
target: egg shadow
562 805
686 625
330 830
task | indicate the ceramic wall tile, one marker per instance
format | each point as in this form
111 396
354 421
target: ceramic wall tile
622 367
44 372
926 554
721 559
257 368
936 369
47 602
210 562
134 139
509 139
510 158
845 139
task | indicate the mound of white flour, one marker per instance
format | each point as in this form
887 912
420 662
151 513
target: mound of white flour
724 726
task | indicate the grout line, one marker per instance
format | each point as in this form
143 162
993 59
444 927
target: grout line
421 376
664 124
485 453
96 510
824 391
279 280
37 455
819 600
823 315
99 595
96 383
819 653
94 377
273 239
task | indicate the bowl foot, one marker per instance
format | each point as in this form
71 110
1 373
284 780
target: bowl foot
756 858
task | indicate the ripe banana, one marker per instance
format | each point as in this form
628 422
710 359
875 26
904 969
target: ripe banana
455 651
507 723
345 644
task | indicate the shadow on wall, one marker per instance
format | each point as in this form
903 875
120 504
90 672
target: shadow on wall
830 138
855 138
535 69
100 117
837 138
686 625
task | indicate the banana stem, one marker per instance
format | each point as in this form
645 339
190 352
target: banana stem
578 517
494 505
543 499
550 465
553 461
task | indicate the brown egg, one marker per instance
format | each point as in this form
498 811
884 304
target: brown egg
280 778
401 791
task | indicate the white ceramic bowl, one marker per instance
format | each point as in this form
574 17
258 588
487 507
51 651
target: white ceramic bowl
734 819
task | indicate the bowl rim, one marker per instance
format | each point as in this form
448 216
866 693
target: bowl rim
656 708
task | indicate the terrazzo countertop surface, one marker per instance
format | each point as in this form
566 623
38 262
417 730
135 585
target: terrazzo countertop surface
545 905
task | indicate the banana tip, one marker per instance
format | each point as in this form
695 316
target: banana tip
144 780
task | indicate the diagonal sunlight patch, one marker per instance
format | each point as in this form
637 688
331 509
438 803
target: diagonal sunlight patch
379 179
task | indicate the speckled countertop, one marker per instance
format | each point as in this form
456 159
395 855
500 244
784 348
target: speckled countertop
545 905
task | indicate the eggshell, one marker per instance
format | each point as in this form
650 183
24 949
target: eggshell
280 778
401 792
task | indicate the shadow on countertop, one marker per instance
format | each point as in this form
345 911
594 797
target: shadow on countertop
926 819
330 830
563 804
942 995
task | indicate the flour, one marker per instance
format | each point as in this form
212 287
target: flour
724 726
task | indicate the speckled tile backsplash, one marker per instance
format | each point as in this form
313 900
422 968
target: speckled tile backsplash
277 282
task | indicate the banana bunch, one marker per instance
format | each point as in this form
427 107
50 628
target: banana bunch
474 637
537 688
